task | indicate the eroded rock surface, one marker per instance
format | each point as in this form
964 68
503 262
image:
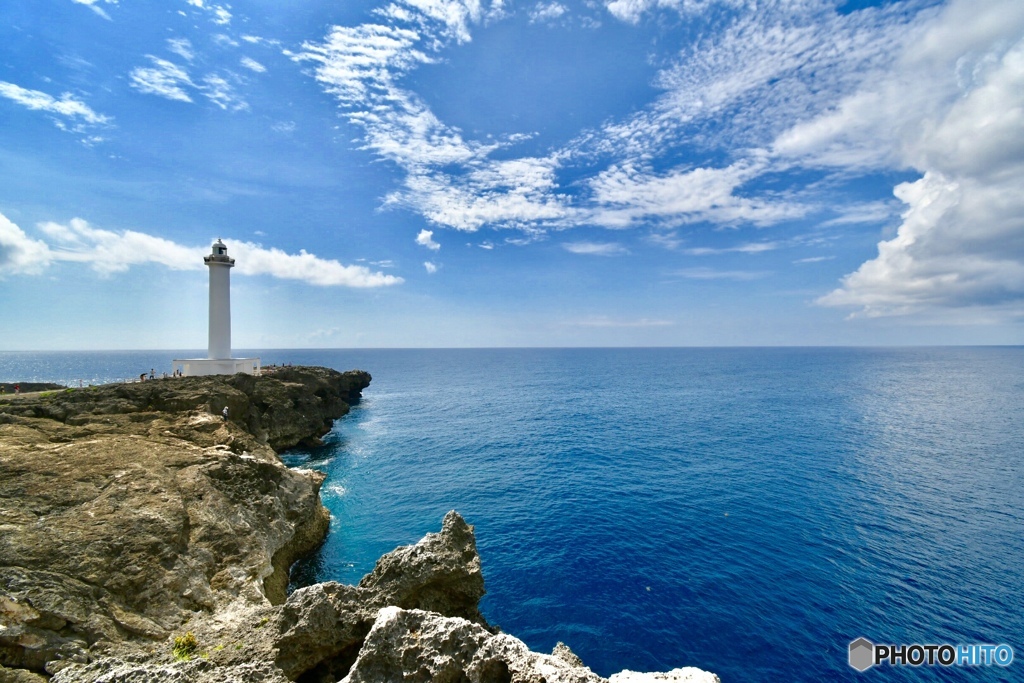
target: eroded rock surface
126 509
319 631
413 645
379 630
133 515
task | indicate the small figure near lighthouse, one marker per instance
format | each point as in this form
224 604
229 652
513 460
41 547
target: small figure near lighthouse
218 359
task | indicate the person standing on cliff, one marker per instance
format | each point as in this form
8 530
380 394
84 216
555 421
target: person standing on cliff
17 388
225 413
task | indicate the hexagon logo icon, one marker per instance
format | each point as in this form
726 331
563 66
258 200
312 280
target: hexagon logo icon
862 654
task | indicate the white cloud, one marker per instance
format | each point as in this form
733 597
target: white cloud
253 65
426 239
870 212
516 193
431 267
220 92
452 17
260 40
628 195
958 118
224 40
20 254
595 248
450 180
669 240
746 248
168 80
305 267
67 106
95 7
221 16
181 47
814 259
164 79
780 87
108 252
631 10
542 12
354 62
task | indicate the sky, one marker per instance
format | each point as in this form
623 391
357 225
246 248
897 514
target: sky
463 173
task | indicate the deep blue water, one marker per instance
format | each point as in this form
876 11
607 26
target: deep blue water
746 511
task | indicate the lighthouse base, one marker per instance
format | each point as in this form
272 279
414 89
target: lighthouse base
193 367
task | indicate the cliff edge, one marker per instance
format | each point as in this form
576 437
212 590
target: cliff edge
127 508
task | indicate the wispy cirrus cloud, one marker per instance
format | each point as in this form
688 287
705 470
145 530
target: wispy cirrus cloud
595 248
545 12
67 107
629 195
95 6
173 82
451 180
745 248
252 65
219 14
181 47
108 252
163 79
767 93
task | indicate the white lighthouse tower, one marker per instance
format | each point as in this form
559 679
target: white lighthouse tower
218 359
220 265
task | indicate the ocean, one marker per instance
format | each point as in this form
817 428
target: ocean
749 511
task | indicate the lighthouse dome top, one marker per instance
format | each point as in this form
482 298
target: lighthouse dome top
219 255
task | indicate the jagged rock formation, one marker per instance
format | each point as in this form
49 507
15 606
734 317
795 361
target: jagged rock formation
380 630
134 515
125 509
406 645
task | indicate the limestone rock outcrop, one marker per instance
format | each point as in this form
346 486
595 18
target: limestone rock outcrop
318 632
413 645
126 509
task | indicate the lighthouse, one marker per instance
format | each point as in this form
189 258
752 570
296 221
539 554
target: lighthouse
220 265
218 359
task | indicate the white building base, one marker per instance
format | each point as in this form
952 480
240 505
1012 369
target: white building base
193 367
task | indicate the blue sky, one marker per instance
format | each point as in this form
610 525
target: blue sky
489 173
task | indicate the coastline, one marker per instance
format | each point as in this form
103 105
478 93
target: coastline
178 519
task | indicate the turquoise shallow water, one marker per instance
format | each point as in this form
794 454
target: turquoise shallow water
747 511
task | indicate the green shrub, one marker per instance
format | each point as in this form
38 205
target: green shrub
185 646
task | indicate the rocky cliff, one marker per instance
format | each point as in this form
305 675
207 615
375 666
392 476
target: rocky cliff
145 538
125 509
